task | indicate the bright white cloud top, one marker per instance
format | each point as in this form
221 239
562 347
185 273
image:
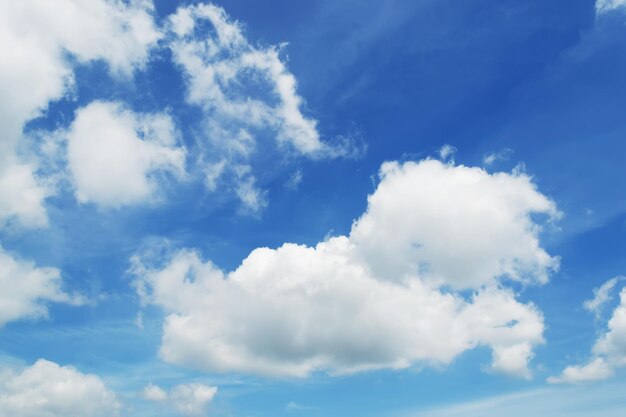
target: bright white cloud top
454 225
376 298
118 157
46 389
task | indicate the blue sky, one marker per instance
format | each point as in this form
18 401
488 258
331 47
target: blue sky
321 208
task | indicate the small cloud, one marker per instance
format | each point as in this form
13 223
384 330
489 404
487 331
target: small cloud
186 399
602 295
253 199
492 158
294 181
294 407
609 349
139 320
447 152
154 393
596 370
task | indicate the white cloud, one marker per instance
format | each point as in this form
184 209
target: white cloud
244 91
253 199
294 180
187 399
609 351
612 344
48 390
604 6
35 38
115 155
216 61
27 289
491 158
601 296
154 393
120 33
382 297
596 370
21 195
454 225
447 152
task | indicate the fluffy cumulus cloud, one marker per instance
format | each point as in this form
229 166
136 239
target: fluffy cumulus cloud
116 156
244 91
48 390
423 216
604 6
388 295
27 289
609 350
186 399
38 41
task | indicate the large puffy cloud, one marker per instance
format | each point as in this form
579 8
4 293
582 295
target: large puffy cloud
609 350
350 303
244 90
48 390
26 289
116 155
187 399
458 226
37 39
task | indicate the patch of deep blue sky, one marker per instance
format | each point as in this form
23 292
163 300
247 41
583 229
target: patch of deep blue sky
542 82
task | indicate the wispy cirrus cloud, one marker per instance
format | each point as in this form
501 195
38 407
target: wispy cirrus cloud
605 6
246 93
601 401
